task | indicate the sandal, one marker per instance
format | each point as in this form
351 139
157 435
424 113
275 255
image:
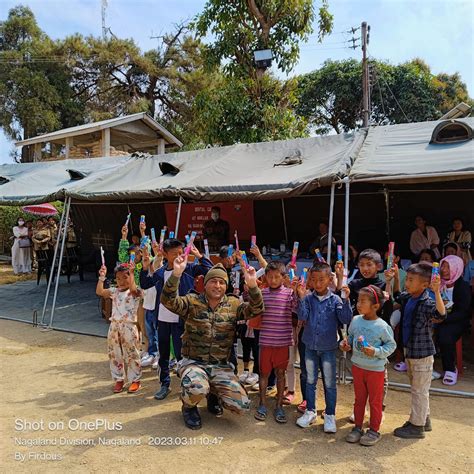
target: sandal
400 367
279 415
288 398
261 413
450 378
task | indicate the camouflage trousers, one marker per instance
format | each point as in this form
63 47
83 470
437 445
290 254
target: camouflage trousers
198 380
122 348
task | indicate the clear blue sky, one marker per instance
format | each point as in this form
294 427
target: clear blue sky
438 31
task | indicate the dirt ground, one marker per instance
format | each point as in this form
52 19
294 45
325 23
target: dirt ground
7 276
49 378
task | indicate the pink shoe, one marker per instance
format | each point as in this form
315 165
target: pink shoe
400 367
302 407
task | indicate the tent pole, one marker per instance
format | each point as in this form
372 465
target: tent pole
387 212
342 374
176 227
53 262
284 219
63 241
331 216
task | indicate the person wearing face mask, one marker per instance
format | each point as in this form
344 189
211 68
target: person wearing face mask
216 230
21 250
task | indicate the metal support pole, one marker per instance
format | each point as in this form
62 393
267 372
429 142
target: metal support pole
387 212
53 263
63 241
176 228
342 374
331 217
284 219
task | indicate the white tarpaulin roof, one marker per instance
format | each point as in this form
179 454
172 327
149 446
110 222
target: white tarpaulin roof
244 171
403 153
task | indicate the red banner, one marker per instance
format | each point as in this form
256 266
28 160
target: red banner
239 215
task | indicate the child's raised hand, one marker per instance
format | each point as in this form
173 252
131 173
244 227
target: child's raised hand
255 251
124 232
389 274
436 284
344 345
369 351
103 271
250 275
179 265
146 259
345 292
156 249
196 252
301 290
142 227
339 269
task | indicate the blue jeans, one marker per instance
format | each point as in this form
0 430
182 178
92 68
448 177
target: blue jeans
303 375
326 362
166 331
151 328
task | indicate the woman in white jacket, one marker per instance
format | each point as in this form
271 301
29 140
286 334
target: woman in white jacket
21 251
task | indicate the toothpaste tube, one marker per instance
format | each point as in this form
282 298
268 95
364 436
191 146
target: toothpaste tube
435 271
391 250
291 273
319 256
153 236
171 236
344 283
142 219
244 258
230 251
206 248
253 241
190 242
144 242
237 248
339 253
304 276
294 254
186 237
362 340
162 236
128 219
102 256
132 257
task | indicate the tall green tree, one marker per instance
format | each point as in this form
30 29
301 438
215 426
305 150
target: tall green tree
330 98
35 92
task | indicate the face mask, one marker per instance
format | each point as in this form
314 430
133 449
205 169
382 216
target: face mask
214 216
21 222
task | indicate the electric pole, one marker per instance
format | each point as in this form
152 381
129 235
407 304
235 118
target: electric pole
365 33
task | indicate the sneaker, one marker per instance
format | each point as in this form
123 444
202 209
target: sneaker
370 438
134 387
173 363
307 419
255 386
243 378
147 361
154 364
144 355
355 435
270 389
118 387
162 392
330 423
252 379
409 431
435 375
302 407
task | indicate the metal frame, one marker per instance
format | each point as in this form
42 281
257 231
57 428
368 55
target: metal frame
284 219
178 216
331 218
61 241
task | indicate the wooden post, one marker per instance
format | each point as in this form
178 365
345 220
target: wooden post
106 142
69 141
37 152
161 146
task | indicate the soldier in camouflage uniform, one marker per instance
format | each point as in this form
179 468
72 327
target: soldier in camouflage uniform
210 322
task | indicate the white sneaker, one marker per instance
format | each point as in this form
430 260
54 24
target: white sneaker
154 364
330 423
147 361
144 355
307 419
243 378
252 379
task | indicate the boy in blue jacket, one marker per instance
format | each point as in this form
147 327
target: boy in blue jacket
322 311
169 324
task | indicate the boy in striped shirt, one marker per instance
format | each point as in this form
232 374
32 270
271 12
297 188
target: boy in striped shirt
276 336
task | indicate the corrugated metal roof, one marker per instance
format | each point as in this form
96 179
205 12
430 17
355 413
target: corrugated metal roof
103 124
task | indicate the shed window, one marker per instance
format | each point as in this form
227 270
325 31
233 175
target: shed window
451 131
168 168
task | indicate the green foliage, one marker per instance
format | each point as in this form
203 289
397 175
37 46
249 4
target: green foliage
240 27
330 98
